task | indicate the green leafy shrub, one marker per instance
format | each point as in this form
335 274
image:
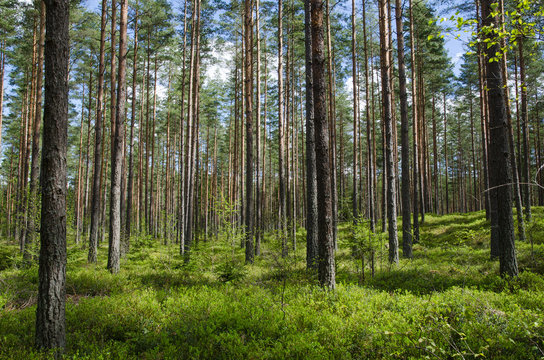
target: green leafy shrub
6 257
447 302
230 270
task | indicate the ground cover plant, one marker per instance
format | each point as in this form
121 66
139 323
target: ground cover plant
447 302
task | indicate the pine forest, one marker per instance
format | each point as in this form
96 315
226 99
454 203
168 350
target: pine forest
271 179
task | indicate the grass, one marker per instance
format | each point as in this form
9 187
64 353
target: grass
447 302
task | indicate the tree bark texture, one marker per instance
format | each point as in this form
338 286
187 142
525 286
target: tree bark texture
50 312
326 267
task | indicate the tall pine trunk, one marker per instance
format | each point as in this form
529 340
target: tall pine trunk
311 181
281 132
500 176
117 155
130 185
355 209
326 267
414 129
405 139
391 198
97 173
35 165
50 312
248 79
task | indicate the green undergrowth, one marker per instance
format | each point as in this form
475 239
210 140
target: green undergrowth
447 302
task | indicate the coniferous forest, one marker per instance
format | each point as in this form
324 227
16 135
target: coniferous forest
258 179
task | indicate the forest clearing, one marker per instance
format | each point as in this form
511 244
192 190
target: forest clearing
271 179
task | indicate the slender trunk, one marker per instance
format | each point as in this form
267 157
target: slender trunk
283 205
332 126
77 207
35 165
248 79
446 167
97 174
526 163
130 185
117 148
405 139
355 209
152 213
85 204
483 118
2 68
388 121
436 170
258 208
311 181
414 128
369 131
513 163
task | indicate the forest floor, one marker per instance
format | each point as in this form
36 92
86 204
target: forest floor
447 302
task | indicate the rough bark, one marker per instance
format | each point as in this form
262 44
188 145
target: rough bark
311 180
500 176
405 139
326 268
385 55
50 312
117 155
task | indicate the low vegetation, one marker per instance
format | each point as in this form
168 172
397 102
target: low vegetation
448 302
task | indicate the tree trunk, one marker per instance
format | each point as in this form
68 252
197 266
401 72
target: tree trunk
97 173
385 56
326 269
117 148
355 208
414 128
369 134
283 205
483 120
2 68
130 185
446 166
50 312
500 176
258 207
35 165
332 126
405 139
513 163
526 163
248 79
311 181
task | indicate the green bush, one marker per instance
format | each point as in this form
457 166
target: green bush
447 302
230 270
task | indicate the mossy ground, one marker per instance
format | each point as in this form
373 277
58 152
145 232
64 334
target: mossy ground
447 302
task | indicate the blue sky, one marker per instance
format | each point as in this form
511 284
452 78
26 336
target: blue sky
454 46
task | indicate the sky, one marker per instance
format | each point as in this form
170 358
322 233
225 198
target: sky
454 45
